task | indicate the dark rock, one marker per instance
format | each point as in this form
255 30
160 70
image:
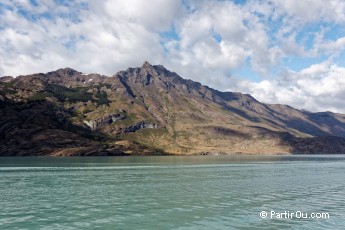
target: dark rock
140 125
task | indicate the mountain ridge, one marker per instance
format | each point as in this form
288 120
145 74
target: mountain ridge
151 110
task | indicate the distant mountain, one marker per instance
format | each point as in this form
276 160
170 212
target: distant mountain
151 110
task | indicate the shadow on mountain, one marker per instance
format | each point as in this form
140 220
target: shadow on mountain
335 125
241 113
225 132
305 127
37 128
314 145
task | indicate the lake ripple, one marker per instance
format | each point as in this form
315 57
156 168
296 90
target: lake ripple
217 192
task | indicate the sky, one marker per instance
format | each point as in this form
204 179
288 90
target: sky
282 52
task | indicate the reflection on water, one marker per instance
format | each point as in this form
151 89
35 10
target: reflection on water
204 192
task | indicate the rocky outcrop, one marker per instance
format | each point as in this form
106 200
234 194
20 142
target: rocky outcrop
99 123
6 79
138 126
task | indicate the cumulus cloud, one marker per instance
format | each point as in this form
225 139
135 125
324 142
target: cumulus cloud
204 40
309 11
319 87
91 36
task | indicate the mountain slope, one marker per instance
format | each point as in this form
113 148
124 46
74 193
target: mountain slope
151 110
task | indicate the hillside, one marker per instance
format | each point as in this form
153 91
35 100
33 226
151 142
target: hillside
151 110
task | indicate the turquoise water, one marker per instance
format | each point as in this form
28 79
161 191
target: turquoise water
220 192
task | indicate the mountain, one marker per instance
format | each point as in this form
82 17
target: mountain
151 110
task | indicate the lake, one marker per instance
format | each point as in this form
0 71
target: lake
163 192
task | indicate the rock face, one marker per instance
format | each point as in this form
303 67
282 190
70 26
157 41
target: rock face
151 110
140 125
99 123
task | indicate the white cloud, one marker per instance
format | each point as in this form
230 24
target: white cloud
104 37
320 87
154 15
329 47
241 36
308 11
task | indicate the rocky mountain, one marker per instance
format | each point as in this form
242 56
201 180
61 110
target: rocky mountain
151 110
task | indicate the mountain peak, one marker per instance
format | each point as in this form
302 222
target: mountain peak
146 64
65 72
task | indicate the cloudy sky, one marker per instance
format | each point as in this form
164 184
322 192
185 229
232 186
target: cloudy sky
288 52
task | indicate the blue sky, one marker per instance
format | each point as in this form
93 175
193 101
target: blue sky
288 52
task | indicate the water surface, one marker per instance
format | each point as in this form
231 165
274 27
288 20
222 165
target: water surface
202 192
